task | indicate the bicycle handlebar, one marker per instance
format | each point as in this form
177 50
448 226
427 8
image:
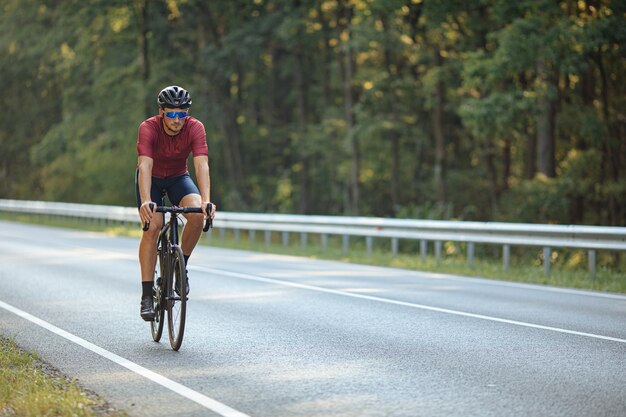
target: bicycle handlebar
181 210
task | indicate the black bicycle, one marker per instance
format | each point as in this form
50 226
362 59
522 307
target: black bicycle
170 287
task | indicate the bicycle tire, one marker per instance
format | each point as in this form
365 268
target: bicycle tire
156 326
177 304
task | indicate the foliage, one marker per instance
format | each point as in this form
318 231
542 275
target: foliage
485 110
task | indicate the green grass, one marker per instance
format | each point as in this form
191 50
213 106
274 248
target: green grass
569 267
27 388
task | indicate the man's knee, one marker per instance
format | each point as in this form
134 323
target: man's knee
194 219
153 231
191 200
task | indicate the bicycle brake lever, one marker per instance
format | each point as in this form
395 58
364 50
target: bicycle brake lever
146 225
209 222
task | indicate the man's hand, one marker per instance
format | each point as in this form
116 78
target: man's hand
205 204
146 212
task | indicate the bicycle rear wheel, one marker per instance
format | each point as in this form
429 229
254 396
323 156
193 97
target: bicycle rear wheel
156 326
177 304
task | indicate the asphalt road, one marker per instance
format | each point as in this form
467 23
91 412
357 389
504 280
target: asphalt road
271 335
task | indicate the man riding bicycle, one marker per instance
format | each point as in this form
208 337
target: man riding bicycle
164 143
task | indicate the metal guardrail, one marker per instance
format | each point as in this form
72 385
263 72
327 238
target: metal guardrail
591 238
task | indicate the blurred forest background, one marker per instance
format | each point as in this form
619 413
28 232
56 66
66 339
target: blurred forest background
444 109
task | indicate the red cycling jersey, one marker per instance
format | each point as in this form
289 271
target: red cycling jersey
170 153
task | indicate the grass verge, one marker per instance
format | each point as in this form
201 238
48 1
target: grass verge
29 387
568 267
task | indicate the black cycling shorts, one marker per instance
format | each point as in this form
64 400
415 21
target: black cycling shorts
175 187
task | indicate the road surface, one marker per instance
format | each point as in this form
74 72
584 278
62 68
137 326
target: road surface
271 335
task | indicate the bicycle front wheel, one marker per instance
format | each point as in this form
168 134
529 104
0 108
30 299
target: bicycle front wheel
177 299
156 326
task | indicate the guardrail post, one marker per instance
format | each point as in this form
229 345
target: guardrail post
324 238
268 237
222 233
252 236
423 250
592 263
506 257
438 252
547 260
470 254
394 247
236 233
303 240
368 244
346 244
285 238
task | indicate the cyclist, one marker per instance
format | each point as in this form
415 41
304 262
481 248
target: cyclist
164 143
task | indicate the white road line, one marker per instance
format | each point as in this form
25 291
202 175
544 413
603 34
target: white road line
180 389
401 303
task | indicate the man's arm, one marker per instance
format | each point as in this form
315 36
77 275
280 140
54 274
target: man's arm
201 163
144 179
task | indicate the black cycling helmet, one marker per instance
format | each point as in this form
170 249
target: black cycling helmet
174 97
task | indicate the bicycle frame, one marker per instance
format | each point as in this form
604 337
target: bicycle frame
169 236
172 237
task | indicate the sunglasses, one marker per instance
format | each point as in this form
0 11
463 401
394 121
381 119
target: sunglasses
175 114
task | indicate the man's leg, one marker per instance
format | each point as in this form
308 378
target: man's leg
147 262
193 228
147 248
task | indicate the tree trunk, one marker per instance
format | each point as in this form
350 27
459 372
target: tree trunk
347 67
493 177
355 186
395 172
438 129
412 19
143 57
530 151
506 165
394 135
301 89
611 148
530 156
587 93
326 57
546 122
278 113
420 155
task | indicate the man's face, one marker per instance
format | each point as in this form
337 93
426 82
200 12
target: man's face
173 124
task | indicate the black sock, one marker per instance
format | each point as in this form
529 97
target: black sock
186 259
146 288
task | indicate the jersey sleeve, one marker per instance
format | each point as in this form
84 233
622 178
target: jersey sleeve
145 140
199 146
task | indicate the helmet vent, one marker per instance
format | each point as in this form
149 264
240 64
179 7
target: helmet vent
174 97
